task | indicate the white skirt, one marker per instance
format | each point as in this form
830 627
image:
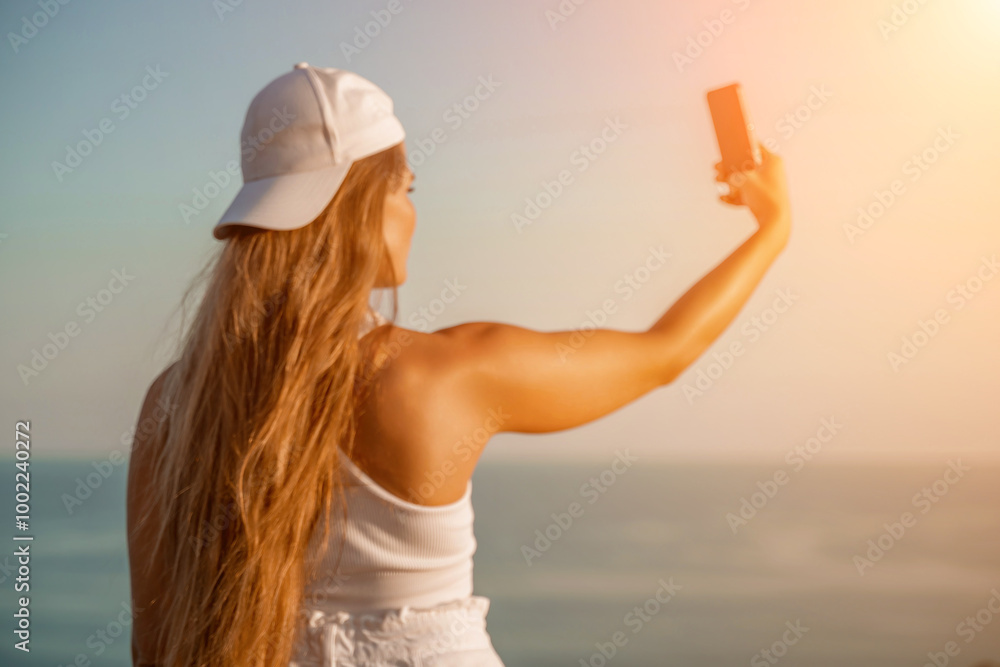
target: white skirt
450 634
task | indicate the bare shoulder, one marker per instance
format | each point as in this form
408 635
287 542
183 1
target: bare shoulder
448 358
428 383
142 524
144 450
456 348
148 411
409 360
544 381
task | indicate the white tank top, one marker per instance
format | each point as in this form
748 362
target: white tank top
395 553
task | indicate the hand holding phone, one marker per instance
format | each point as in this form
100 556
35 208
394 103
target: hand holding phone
755 175
763 189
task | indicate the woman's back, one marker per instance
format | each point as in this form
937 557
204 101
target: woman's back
392 552
408 543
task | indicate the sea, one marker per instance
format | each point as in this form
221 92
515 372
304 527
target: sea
617 564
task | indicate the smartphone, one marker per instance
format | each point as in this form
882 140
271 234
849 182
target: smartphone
733 129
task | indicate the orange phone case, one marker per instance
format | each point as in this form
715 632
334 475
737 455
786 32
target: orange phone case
733 128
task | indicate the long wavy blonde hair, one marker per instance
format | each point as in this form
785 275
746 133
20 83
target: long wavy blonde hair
264 390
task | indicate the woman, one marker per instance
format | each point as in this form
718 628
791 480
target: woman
304 501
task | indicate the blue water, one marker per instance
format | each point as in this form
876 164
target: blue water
791 565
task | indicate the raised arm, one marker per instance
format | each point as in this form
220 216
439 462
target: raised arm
704 312
550 381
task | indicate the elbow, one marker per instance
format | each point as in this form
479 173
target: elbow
676 355
671 373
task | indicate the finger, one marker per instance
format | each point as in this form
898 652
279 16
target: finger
728 195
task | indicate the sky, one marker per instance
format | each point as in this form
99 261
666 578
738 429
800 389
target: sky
870 338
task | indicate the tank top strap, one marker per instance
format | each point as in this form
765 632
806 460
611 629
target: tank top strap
376 489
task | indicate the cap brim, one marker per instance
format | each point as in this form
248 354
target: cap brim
285 202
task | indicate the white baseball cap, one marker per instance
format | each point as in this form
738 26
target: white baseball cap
302 132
